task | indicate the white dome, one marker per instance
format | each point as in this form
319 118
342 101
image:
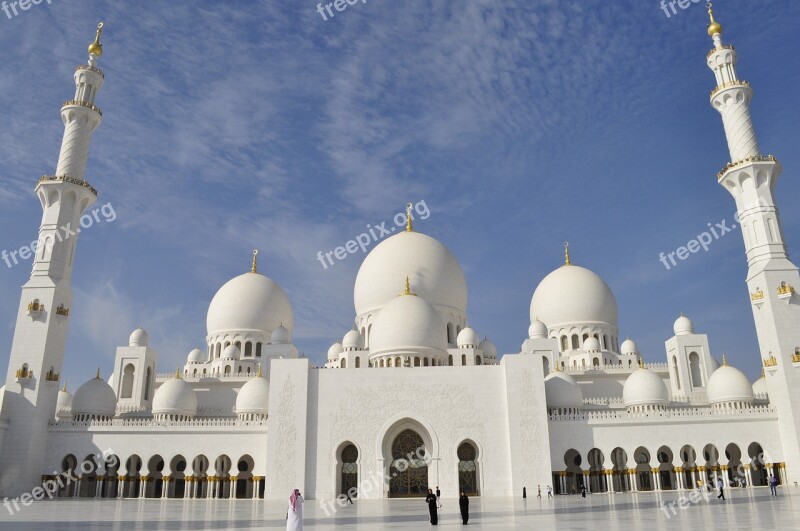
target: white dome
335 350
760 386
591 345
196 356
683 326
728 384
95 397
408 323
467 338
353 340
253 397
231 352
629 347
139 338
561 390
573 295
281 336
249 302
488 348
644 387
175 397
537 330
433 271
64 404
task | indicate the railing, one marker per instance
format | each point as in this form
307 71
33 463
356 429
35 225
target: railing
754 158
86 104
199 376
718 48
92 68
71 180
737 83
757 296
785 290
150 422
677 413
613 367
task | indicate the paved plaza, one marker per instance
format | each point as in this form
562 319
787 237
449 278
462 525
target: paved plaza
751 508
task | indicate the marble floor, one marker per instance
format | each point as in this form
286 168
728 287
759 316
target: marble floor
751 508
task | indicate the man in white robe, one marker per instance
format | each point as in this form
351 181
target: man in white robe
294 515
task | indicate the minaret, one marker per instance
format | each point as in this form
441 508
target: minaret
40 335
750 178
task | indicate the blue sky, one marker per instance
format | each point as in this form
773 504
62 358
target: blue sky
232 126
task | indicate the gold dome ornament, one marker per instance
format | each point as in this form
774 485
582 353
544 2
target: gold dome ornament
96 48
714 27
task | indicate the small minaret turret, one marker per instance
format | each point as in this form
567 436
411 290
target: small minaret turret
40 334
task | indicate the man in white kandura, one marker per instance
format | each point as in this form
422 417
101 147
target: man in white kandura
294 515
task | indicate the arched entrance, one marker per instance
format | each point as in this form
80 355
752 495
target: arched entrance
409 468
348 468
468 469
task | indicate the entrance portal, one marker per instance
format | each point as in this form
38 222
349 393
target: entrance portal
409 469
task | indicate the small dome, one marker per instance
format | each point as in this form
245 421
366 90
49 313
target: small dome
253 397
139 338
629 347
683 326
63 404
334 351
353 340
175 397
537 330
728 384
488 348
408 323
196 356
591 345
644 387
760 386
281 336
561 390
231 352
467 338
95 397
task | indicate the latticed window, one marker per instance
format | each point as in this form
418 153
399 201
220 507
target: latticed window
467 469
349 468
409 470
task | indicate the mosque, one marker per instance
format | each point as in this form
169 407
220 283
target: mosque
412 397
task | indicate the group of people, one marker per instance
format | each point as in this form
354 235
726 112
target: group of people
434 504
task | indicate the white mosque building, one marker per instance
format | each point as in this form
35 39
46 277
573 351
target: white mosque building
412 397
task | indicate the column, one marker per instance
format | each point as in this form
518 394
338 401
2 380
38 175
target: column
188 486
120 486
232 493
679 477
610 482
632 474
165 486
656 479
142 486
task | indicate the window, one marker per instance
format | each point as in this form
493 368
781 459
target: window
564 343
148 383
467 469
694 370
575 342
126 391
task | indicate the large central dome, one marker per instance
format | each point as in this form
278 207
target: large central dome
573 295
430 267
249 302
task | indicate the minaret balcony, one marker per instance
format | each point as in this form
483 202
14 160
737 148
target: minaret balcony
772 361
62 311
757 297
52 376
78 103
718 48
785 291
93 69
71 180
729 84
747 160
35 307
24 374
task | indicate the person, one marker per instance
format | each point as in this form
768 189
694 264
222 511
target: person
438 496
294 515
549 491
721 487
524 493
463 503
583 490
430 499
538 491
773 485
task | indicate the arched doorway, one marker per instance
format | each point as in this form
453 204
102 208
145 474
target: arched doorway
574 474
735 470
758 470
244 477
176 487
468 469
666 472
621 479
68 465
409 468
597 475
689 466
348 463
644 476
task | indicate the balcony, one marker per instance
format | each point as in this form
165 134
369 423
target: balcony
86 104
785 291
772 361
71 180
62 310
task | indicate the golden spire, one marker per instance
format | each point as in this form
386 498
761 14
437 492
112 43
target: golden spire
714 27
408 291
254 267
65 383
641 363
724 361
178 373
96 48
566 253
97 376
258 374
409 226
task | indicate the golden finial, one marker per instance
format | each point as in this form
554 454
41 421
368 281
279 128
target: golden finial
258 374
558 367
178 373
65 383
254 267
724 361
97 376
96 48
408 291
566 253
409 226
714 27
641 363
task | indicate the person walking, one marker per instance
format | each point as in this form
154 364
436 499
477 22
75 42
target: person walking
721 487
294 515
524 493
463 504
549 491
538 491
583 490
773 485
438 496
430 499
